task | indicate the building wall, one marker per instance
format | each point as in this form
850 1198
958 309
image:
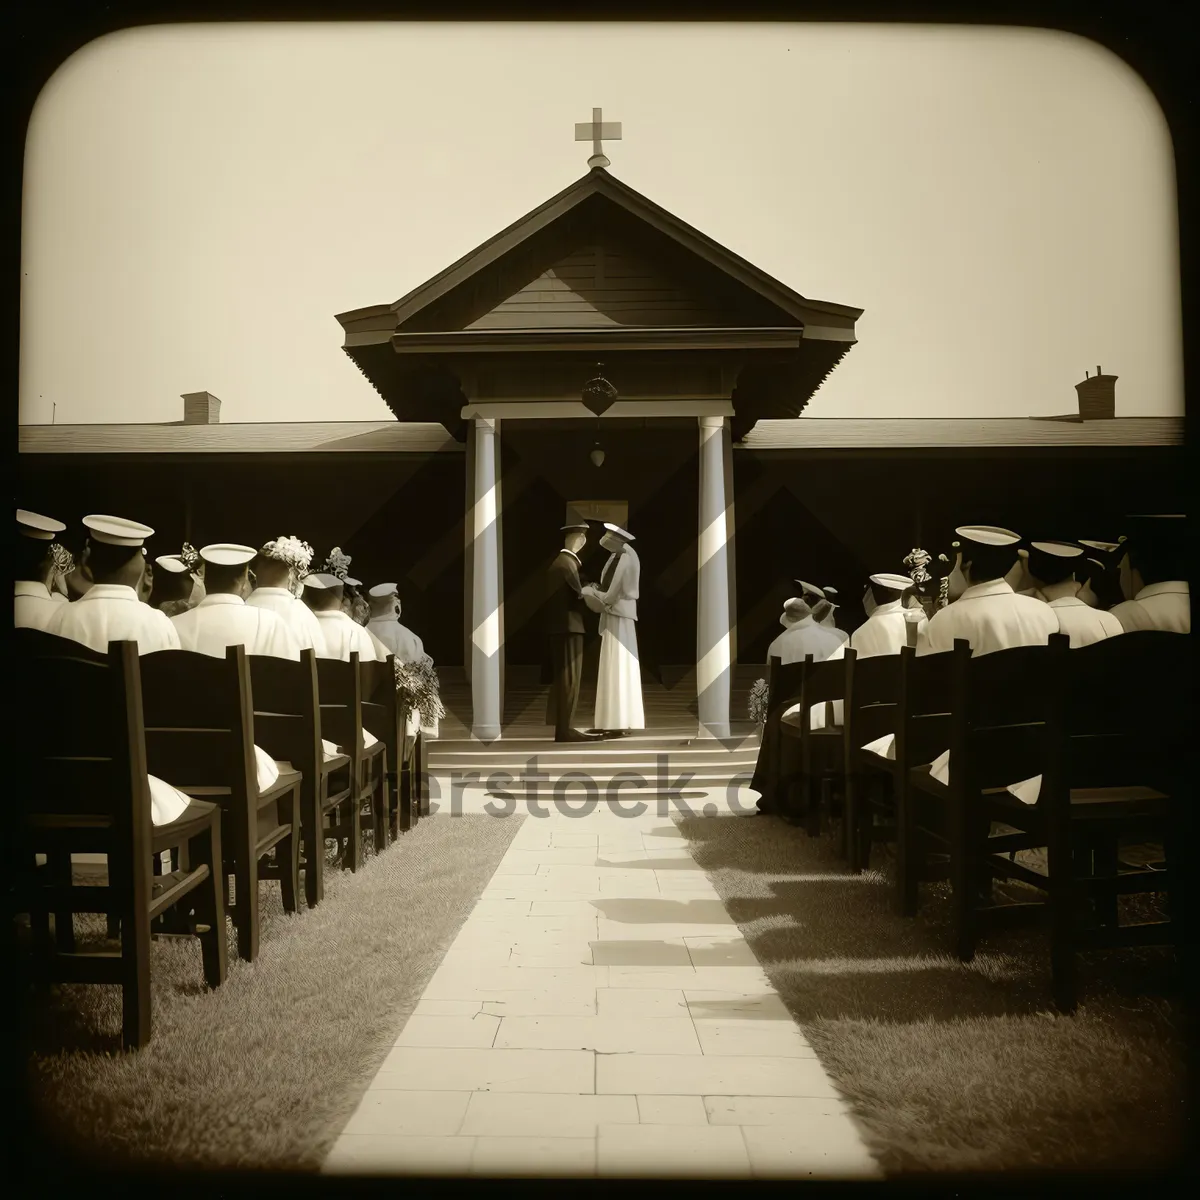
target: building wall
830 518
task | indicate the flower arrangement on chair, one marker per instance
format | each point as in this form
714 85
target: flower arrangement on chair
420 681
758 702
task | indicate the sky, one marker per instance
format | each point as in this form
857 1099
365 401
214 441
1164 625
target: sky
200 201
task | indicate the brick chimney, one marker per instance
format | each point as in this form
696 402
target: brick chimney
1097 397
203 408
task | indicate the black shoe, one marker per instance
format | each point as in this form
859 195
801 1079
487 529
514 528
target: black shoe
577 735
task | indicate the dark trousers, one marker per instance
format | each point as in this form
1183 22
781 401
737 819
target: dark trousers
567 662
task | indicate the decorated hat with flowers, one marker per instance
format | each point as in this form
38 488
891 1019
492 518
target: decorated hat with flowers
337 564
292 550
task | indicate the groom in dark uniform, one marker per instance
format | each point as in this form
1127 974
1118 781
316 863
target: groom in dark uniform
567 610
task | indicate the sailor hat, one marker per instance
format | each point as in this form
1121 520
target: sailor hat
581 527
1052 562
896 583
988 535
227 554
381 590
116 531
621 533
171 563
809 589
34 525
322 582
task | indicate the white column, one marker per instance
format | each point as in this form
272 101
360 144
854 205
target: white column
713 617
486 636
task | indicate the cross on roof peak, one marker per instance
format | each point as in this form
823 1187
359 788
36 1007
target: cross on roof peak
597 130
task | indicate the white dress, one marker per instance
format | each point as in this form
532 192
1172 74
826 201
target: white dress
619 681
294 613
33 606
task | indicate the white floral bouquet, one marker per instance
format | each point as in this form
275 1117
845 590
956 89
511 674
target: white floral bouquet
916 562
62 559
758 702
337 564
291 550
190 557
419 679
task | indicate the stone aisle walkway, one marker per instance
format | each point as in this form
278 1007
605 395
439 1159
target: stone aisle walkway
601 1014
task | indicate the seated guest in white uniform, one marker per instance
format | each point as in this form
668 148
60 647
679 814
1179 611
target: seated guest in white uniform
825 614
109 611
1056 568
989 614
802 636
340 635
402 642
33 603
1108 575
223 618
885 630
275 569
385 624
1156 555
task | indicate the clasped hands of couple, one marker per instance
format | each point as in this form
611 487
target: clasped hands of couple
591 597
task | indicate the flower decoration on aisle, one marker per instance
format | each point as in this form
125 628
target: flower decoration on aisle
758 702
337 564
419 681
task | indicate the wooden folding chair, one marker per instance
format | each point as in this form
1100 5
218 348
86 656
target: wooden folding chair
287 725
340 687
821 750
200 738
769 780
872 718
381 718
82 788
1114 764
922 733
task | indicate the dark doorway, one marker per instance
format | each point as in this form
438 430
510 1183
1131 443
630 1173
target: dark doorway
653 468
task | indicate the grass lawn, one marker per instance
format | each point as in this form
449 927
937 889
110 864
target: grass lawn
954 1067
265 1071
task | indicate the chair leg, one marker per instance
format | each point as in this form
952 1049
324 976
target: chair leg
1104 864
313 838
964 882
245 877
1063 966
210 905
287 854
850 823
907 855
59 864
135 979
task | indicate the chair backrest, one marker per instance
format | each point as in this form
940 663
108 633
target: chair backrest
287 714
926 698
340 690
823 681
999 709
1123 711
381 711
784 685
872 706
199 713
80 768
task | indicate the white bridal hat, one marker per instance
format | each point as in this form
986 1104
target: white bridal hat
621 533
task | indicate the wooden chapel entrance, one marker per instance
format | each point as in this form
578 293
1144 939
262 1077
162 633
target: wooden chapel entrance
697 344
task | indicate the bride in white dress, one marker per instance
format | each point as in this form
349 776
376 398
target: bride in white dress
619 685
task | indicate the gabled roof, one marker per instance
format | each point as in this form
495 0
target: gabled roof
830 317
